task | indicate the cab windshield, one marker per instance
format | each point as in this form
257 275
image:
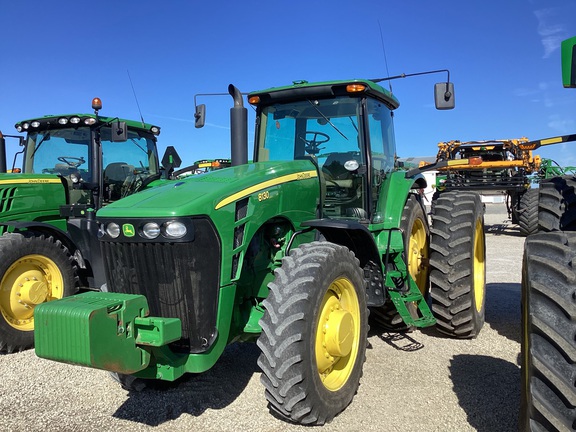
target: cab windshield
316 128
344 136
67 151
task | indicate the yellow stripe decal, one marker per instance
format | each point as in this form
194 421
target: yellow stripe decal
31 181
551 141
303 175
456 162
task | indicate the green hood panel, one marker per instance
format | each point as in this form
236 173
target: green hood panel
31 197
204 193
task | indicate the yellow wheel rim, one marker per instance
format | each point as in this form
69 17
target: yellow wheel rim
30 281
338 334
479 269
418 254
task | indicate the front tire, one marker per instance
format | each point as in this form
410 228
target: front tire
457 262
314 333
33 270
548 349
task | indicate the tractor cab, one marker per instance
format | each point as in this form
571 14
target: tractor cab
345 129
99 159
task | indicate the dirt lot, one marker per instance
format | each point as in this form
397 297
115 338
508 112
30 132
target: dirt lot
419 381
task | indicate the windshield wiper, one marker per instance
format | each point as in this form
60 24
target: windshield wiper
44 138
327 119
139 146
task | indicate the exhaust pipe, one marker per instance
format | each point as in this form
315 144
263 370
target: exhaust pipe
238 128
2 153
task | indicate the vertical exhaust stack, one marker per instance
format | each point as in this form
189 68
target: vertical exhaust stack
238 128
2 153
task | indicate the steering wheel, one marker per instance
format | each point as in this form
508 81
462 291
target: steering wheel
312 145
72 161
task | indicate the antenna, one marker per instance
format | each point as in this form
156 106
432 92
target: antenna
385 59
134 92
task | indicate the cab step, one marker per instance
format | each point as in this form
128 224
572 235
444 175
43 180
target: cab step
413 296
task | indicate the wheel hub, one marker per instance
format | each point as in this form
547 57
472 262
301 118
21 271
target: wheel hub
33 291
28 282
339 333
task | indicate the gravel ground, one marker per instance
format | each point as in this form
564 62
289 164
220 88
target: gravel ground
413 382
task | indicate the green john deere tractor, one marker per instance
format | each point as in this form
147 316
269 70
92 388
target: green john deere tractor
290 250
72 166
548 357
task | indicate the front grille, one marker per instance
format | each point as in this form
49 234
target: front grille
180 280
7 198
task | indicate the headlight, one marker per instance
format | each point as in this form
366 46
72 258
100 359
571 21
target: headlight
62 120
113 230
174 229
74 120
151 230
35 123
89 121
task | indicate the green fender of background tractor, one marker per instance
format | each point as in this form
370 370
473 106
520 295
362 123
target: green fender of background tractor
101 330
32 197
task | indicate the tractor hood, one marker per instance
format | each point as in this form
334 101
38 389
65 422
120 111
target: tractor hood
28 197
205 193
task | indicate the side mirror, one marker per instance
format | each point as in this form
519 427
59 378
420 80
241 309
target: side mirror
444 95
568 50
119 132
200 116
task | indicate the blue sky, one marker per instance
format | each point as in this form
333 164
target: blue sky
503 58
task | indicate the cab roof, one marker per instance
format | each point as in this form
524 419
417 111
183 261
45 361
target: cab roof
304 90
55 122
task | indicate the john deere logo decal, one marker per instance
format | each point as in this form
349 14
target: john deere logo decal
128 230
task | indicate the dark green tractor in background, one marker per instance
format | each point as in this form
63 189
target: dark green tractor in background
290 250
73 165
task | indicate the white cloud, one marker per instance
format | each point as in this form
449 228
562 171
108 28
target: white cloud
524 92
552 28
561 124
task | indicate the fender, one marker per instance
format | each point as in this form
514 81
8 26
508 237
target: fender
81 242
393 196
351 234
41 228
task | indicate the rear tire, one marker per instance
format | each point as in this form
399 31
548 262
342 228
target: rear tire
548 349
528 212
314 334
457 262
33 270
